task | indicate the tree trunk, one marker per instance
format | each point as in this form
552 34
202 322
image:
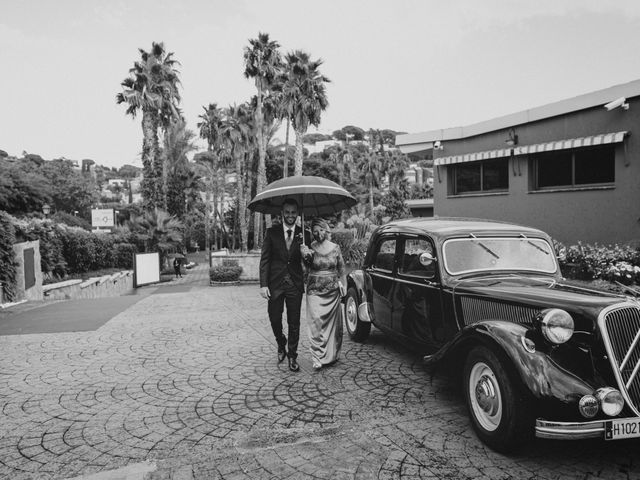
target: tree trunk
371 197
262 172
239 203
147 186
157 164
285 166
245 201
299 153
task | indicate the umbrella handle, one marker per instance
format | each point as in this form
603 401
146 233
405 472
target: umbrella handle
303 240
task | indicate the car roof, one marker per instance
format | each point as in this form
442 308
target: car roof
457 226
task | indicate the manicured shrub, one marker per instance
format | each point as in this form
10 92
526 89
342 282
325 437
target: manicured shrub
227 271
8 266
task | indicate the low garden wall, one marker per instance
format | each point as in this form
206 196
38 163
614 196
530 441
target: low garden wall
113 285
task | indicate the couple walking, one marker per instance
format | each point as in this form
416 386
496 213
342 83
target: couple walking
284 261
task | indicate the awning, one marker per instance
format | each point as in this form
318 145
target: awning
602 139
472 157
594 140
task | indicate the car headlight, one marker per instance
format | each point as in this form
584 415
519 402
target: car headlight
611 401
557 325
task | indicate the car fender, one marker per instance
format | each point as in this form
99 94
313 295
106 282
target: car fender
357 280
541 376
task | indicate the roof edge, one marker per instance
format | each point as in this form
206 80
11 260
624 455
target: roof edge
581 102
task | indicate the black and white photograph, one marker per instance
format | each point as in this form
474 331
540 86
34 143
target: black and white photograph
355 240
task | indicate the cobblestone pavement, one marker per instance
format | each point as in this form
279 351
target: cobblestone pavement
186 385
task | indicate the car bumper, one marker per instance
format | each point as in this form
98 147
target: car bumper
578 430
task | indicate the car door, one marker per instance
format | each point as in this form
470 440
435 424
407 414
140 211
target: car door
381 273
417 303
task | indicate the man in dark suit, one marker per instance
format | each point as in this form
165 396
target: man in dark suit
281 280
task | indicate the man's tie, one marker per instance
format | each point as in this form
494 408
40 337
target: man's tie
288 239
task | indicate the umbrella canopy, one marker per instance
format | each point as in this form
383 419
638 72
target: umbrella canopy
175 255
315 196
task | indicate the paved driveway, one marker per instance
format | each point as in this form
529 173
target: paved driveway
186 385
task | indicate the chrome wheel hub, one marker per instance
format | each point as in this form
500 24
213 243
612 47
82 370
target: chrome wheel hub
351 314
485 396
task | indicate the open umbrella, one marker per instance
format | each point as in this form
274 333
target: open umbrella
315 196
176 255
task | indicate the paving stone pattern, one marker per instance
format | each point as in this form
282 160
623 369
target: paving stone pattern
190 382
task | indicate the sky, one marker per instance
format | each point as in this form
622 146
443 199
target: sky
406 65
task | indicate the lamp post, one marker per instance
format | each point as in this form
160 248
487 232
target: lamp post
46 209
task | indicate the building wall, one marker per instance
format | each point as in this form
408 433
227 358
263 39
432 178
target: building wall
608 215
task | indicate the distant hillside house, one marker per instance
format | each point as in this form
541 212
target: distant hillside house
571 168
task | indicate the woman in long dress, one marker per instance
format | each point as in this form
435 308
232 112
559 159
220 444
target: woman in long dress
325 287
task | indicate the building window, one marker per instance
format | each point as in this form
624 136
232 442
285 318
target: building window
574 168
475 177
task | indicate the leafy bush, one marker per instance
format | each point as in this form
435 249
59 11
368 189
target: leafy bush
619 263
123 255
227 271
52 261
353 249
8 266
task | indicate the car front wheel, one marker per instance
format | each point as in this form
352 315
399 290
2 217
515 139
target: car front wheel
498 411
358 330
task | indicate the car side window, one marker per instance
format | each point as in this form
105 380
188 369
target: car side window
385 255
411 265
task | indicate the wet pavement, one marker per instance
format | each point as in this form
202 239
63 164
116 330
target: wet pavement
184 383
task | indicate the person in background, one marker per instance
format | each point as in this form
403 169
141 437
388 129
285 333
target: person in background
326 285
176 267
281 280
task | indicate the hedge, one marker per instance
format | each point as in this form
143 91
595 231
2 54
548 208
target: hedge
72 250
8 265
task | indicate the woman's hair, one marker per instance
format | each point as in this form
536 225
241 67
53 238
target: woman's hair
322 223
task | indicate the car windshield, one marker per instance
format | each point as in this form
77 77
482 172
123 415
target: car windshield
477 254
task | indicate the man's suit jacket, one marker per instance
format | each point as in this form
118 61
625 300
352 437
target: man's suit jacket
276 262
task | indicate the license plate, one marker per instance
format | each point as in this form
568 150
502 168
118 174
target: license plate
623 428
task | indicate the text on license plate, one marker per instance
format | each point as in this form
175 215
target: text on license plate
623 428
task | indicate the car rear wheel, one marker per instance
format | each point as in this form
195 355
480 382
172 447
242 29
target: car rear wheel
358 330
498 411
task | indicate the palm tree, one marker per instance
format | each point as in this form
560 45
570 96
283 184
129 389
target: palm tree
372 168
179 141
158 231
210 130
236 137
152 87
304 96
262 63
397 163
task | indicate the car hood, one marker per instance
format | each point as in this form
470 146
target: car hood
542 292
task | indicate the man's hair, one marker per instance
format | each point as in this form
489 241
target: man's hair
290 201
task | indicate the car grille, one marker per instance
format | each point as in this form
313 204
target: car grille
477 309
621 331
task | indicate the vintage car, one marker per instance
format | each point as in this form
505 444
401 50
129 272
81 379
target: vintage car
536 355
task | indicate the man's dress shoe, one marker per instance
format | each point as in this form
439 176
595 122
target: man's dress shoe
282 353
293 365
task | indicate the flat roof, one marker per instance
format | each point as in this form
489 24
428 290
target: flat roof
419 141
